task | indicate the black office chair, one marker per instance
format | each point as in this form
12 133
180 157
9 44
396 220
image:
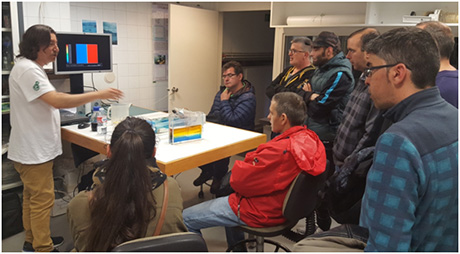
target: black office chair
201 193
176 242
300 200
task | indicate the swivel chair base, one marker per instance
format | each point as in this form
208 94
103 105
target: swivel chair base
201 193
259 242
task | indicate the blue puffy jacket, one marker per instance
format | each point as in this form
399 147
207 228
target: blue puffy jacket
239 111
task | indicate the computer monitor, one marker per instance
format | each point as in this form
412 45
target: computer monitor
82 53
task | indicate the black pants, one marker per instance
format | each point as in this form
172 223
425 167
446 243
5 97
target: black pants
322 212
217 168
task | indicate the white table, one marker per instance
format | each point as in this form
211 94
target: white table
218 141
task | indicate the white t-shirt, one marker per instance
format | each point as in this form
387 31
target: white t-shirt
35 125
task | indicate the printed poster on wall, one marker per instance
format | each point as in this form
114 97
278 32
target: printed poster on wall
160 16
89 26
111 28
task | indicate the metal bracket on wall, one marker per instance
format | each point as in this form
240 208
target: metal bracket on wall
173 90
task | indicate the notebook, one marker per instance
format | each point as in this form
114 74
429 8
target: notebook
68 118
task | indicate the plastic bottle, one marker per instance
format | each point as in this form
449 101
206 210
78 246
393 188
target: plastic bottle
94 118
102 122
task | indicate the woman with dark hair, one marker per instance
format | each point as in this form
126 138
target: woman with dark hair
126 200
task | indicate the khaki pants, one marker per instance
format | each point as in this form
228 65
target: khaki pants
38 200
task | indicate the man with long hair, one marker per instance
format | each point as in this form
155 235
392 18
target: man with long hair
35 138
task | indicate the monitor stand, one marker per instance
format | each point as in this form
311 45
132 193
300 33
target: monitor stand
76 87
76 83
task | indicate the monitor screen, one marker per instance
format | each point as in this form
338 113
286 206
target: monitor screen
83 52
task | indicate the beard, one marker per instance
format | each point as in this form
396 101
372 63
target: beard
321 59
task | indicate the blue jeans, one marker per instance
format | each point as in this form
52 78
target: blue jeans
214 213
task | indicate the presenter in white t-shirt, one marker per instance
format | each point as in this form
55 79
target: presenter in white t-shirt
35 138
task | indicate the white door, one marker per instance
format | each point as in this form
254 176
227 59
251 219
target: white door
194 60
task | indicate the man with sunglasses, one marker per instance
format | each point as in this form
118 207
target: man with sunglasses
411 197
294 77
234 105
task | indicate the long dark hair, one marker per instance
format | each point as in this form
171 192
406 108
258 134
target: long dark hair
35 38
123 205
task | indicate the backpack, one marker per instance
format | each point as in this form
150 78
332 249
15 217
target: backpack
345 188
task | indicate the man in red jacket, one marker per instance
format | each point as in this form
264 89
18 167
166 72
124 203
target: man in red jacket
262 180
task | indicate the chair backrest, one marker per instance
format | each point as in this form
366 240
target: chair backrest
176 242
302 197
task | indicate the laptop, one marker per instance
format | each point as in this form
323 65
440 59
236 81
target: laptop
68 118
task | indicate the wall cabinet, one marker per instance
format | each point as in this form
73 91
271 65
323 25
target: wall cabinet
353 14
342 18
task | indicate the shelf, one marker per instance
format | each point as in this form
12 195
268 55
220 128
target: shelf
11 185
356 14
452 25
10 37
4 148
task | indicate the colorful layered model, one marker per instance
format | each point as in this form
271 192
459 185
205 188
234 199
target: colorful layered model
185 125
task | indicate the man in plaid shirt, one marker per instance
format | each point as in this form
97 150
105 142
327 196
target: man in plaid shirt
360 113
411 197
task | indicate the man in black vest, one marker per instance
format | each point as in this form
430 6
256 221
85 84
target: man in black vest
326 96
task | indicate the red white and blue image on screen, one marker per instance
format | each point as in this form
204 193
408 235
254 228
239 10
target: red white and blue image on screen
84 54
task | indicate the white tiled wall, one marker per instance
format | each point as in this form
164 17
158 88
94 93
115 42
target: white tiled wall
133 55
54 14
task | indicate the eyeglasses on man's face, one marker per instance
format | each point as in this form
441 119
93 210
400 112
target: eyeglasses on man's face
293 51
230 75
369 71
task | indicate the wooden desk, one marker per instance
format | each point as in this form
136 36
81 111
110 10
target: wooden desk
218 142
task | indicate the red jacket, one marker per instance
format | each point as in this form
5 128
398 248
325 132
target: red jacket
262 180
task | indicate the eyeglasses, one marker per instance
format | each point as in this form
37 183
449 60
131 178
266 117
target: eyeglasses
369 71
228 75
293 51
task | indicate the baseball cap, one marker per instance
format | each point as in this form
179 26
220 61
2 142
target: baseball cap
327 39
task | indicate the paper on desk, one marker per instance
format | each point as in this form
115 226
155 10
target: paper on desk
70 110
153 115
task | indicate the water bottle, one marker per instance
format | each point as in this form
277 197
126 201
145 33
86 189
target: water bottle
102 122
94 118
